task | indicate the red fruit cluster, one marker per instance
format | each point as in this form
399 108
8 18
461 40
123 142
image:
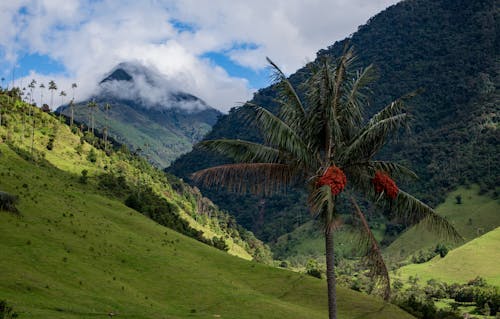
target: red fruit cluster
335 178
383 183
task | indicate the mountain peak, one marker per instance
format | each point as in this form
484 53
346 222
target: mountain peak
146 87
118 74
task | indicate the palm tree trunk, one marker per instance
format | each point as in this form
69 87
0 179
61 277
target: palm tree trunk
33 134
330 273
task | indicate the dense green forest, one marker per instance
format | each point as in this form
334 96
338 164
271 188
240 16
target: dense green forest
448 51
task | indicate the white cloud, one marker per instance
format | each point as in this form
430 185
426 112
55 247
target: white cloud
90 37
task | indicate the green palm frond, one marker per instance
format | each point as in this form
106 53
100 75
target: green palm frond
256 178
371 139
394 108
409 209
278 134
351 110
242 151
368 168
373 256
292 111
322 205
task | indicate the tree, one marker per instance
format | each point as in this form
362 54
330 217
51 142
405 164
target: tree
91 105
52 88
325 144
107 107
72 103
62 95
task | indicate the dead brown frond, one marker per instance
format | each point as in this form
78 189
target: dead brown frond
256 178
373 258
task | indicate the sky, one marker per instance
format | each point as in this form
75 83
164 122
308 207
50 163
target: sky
214 49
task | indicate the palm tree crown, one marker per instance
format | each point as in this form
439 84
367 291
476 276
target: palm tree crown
324 142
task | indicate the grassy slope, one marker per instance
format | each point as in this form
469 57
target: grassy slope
65 157
478 257
307 241
76 254
482 210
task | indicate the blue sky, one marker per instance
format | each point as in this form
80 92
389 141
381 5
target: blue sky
213 49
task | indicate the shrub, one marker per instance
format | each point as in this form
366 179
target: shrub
83 179
8 202
6 312
92 157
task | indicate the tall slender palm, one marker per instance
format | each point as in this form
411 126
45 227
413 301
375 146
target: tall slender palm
33 122
42 87
32 86
62 94
3 79
72 103
52 88
92 105
324 143
107 107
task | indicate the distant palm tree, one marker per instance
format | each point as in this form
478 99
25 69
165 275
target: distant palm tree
33 121
92 106
62 94
3 79
52 88
325 144
107 107
42 87
73 87
72 103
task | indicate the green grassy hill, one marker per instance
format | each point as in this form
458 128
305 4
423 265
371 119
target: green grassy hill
478 257
476 215
75 252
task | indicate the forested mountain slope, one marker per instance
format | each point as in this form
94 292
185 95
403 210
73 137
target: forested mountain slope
449 50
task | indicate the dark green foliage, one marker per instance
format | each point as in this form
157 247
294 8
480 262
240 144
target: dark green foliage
423 256
458 198
116 185
84 177
441 249
414 44
313 269
220 243
8 202
420 301
92 156
50 144
6 311
147 202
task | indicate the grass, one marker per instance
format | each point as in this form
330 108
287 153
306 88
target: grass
477 215
70 155
478 257
307 241
74 253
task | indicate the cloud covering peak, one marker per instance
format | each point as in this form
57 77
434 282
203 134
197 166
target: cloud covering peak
215 49
146 86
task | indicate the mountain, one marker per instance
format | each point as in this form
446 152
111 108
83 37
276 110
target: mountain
146 113
80 246
447 48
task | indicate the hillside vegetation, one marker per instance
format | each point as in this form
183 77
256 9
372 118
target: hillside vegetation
447 48
119 174
74 251
478 257
474 216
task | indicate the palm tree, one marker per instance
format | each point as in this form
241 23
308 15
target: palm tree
72 103
62 94
107 107
52 88
42 87
91 105
32 88
324 143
